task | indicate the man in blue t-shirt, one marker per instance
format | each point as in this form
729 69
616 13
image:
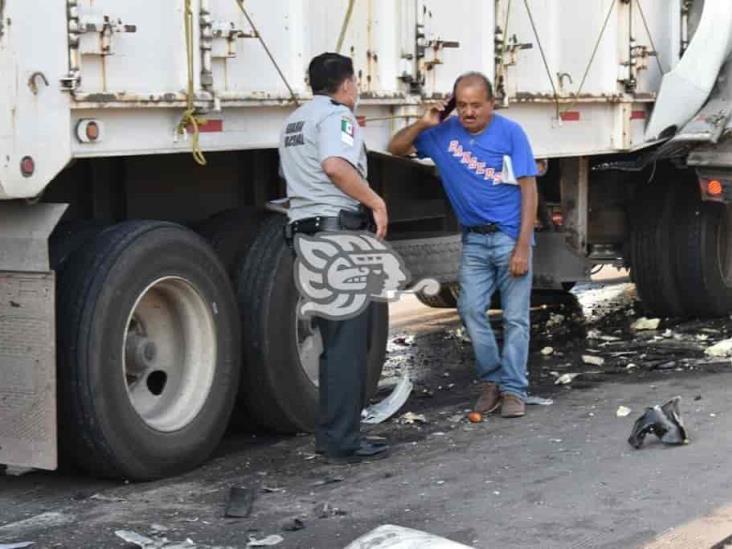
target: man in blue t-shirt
487 169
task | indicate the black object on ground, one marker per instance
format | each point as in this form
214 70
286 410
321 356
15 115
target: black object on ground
240 502
293 524
663 421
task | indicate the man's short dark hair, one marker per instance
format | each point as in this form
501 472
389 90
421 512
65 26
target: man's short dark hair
473 77
328 70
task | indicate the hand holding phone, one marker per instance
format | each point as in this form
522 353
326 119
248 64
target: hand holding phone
435 114
449 107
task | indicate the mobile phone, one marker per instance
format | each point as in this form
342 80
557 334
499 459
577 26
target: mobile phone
448 108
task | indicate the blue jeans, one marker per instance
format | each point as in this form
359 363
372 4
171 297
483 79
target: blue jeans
484 268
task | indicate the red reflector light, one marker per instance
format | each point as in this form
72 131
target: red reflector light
569 116
714 187
92 131
27 166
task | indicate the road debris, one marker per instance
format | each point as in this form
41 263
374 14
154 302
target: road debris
328 480
555 320
644 323
144 542
19 545
533 400
566 379
241 500
383 410
721 349
269 541
397 537
35 523
623 411
410 418
293 524
663 421
546 351
326 510
273 489
475 417
593 360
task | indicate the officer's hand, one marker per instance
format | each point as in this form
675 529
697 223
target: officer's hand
431 116
519 264
381 219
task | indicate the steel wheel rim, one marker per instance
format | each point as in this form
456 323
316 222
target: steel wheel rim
309 346
169 354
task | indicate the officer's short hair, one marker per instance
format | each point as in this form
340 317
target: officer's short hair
473 77
328 70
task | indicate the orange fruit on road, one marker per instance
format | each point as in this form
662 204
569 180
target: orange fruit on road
475 417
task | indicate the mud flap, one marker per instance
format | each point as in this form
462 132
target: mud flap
27 370
27 336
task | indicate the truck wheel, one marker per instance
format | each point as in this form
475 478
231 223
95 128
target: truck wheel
148 351
703 246
282 351
231 233
445 299
651 250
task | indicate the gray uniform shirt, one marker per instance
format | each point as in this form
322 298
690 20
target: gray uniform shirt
318 130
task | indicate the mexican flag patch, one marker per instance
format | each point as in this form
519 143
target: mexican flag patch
347 130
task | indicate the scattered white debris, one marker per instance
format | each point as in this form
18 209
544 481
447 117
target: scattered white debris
19 545
383 410
397 537
668 334
702 337
555 319
410 418
565 379
546 351
269 541
598 301
555 440
644 323
723 348
596 334
538 401
32 524
631 366
594 360
623 411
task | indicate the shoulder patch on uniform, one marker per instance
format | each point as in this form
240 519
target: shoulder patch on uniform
347 130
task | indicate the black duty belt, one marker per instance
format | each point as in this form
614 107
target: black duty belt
488 228
312 225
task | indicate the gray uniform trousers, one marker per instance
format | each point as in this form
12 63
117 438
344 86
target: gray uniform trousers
342 375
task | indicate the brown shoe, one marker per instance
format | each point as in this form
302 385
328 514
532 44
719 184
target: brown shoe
512 406
489 399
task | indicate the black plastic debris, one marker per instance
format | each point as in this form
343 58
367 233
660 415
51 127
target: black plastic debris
663 421
240 502
293 524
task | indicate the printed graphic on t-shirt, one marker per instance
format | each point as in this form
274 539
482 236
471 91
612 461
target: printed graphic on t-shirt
478 167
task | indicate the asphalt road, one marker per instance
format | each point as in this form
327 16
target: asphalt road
563 476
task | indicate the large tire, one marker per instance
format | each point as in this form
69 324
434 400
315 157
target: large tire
231 233
281 388
651 250
703 248
148 352
446 298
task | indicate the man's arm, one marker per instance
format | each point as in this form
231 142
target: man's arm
346 178
402 144
522 251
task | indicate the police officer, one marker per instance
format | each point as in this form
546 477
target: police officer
323 160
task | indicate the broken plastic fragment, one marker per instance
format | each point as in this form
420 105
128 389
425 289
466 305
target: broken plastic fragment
397 537
723 348
410 418
383 410
269 541
663 421
594 360
19 545
623 411
538 401
241 500
546 351
565 379
644 323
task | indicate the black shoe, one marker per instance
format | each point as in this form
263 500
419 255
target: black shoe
368 451
373 439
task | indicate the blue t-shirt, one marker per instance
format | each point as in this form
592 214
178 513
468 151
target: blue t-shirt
480 172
